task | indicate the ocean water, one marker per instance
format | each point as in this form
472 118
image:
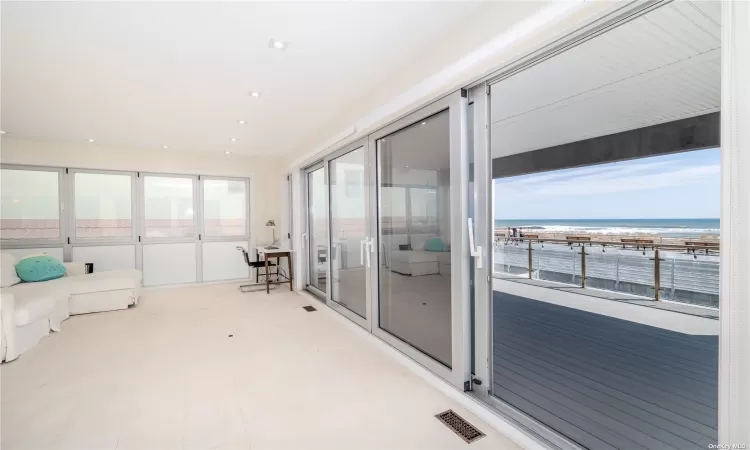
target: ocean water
661 227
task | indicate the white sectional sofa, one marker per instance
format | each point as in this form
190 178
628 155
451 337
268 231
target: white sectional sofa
30 310
103 291
417 261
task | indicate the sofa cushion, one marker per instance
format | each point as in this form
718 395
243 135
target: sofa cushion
8 275
59 288
110 280
40 268
31 309
418 241
434 244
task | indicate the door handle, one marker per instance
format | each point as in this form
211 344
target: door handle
362 251
370 249
366 248
476 252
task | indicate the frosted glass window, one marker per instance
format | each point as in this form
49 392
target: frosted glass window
103 205
30 204
168 203
224 208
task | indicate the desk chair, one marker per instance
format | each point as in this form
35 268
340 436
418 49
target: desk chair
255 265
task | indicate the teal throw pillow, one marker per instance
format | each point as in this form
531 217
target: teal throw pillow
434 244
39 268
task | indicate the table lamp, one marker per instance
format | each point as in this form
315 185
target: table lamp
272 223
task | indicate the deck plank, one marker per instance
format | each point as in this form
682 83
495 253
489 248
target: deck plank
602 381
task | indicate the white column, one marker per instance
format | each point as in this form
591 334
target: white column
734 340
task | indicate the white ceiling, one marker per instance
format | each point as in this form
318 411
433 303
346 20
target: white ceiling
660 67
178 74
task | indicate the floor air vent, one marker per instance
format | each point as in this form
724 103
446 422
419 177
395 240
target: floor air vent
460 426
309 308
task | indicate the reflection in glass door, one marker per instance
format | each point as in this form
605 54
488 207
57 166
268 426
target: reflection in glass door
317 231
350 255
420 278
415 270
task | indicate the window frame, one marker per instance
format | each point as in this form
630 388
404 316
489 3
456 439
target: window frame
60 241
142 236
71 217
202 219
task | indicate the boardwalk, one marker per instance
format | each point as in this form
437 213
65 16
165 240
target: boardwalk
604 382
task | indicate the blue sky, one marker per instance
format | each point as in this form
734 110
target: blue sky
683 185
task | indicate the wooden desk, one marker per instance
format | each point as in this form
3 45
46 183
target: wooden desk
277 253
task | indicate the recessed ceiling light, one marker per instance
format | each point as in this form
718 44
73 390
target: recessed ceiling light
2 132
406 167
255 94
91 140
241 122
233 139
227 153
424 123
165 146
278 45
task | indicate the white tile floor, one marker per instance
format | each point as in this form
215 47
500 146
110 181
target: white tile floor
166 375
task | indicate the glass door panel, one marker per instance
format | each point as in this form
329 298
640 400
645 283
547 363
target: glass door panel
349 239
317 229
414 223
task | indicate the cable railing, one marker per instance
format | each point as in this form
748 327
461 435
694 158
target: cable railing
686 271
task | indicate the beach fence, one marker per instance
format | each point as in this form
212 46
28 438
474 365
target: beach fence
686 273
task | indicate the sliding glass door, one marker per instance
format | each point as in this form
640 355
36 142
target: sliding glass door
597 321
350 242
386 235
420 278
317 231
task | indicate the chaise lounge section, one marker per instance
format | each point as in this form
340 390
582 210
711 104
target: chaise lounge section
28 311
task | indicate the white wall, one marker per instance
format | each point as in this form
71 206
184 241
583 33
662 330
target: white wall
263 171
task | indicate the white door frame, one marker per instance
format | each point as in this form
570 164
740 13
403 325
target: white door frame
306 248
459 372
734 313
364 322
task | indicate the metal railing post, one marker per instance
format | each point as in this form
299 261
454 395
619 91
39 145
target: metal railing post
583 266
657 274
529 259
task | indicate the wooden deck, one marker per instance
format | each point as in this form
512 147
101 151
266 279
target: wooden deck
604 382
